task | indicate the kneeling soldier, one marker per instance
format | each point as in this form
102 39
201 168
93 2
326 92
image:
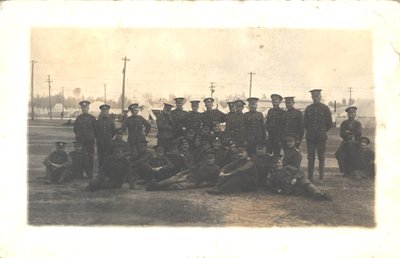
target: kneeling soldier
58 165
238 176
113 172
203 174
292 181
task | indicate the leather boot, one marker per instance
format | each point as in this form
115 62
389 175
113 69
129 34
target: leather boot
311 170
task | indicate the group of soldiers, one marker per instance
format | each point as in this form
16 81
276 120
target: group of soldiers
193 151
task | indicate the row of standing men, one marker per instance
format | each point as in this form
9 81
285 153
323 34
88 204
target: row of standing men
247 128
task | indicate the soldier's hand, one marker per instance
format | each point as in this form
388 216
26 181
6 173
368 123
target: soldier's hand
294 181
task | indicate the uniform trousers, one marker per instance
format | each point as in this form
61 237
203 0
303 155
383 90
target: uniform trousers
319 145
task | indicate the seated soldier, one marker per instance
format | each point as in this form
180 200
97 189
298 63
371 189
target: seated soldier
189 135
136 161
292 181
220 152
196 147
113 172
263 163
217 131
158 167
365 161
118 140
175 156
79 160
58 165
206 133
238 176
203 174
205 146
232 152
292 155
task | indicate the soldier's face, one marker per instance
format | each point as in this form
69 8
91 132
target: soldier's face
275 102
217 128
253 106
216 144
242 154
351 115
159 151
185 146
195 107
60 148
119 136
232 108
363 145
290 143
316 97
197 142
85 109
233 148
261 150
179 104
135 111
208 105
239 108
289 104
279 164
210 159
105 113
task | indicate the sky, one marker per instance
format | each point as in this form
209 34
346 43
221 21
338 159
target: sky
179 61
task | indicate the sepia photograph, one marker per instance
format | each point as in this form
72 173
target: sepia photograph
249 127
199 129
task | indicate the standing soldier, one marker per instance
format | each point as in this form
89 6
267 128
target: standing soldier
317 122
254 126
105 129
273 125
194 117
85 133
230 127
179 116
165 127
240 134
350 132
138 128
293 122
212 115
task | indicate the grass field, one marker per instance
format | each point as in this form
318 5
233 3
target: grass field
67 204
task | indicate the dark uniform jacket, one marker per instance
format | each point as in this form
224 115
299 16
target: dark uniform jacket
116 169
79 161
350 130
211 116
254 126
292 157
221 156
138 128
366 159
231 125
85 127
59 158
158 161
194 121
165 126
105 129
293 122
282 178
244 167
180 121
317 121
273 123
124 145
202 172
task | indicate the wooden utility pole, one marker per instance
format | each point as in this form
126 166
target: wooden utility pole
123 84
62 109
32 105
251 80
212 88
105 93
350 88
49 81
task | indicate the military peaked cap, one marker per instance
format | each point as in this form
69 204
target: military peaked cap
289 98
351 109
59 143
365 139
104 107
239 101
253 99
84 103
274 96
132 106
315 90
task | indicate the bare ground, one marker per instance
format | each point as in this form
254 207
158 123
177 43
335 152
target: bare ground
352 205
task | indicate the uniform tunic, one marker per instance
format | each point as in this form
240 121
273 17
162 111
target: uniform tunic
195 121
274 126
212 116
57 175
243 178
292 157
231 125
79 163
350 132
179 117
263 167
165 129
365 164
254 128
85 133
166 171
293 123
138 128
105 129
112 174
